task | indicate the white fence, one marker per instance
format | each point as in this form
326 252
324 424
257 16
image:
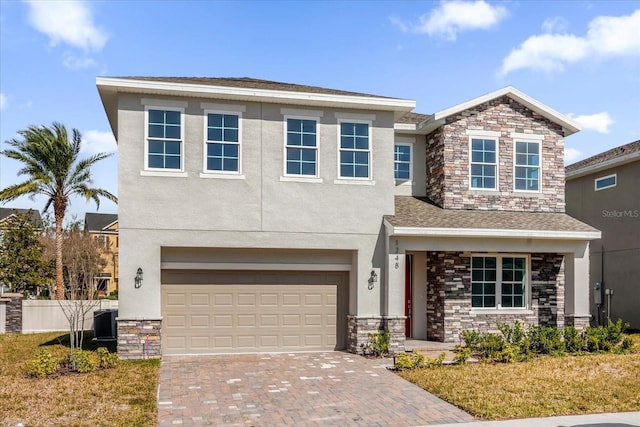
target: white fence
48 316
3 317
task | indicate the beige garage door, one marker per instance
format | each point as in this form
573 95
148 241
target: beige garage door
224 318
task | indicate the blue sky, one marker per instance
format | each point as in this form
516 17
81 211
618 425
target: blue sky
581 58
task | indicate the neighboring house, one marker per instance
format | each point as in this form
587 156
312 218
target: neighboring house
6 213
604 191
104 229
260 216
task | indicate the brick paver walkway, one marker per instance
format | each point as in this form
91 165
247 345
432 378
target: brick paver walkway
301 389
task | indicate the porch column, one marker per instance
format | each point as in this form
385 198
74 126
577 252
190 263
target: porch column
577 287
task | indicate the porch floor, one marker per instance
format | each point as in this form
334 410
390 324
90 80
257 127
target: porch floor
431 349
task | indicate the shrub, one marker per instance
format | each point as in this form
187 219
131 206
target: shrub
471 339
415 360
615 331
491 345
379 342
627 345
42 364
462 355
596 339
545 340
106 360
403 361
573 340
509 354
85 361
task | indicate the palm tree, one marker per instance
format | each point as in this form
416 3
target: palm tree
54 170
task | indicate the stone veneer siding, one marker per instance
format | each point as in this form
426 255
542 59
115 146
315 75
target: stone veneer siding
13 313
448 160
449 309
139 339
361 327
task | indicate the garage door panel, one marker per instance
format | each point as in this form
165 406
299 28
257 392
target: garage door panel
200 321
227 318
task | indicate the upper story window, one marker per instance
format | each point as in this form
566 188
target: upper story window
606 182
527 166
164 139
222 142
402 162
498 281
355 150
483 166
301 147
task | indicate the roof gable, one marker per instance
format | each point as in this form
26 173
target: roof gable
436 120
34 215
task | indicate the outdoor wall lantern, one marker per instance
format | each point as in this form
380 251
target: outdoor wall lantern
138 279
372 279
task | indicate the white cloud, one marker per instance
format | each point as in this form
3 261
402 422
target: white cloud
607 36
598 122
555 24
3 101
453 17
67 22
76 63
94 141
571 155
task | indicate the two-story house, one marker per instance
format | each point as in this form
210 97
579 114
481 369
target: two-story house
104 229
604 191
258 216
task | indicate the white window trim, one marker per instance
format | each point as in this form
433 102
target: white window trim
613 175
528 139
147 171
408 181
498 308
286 177
206 173
484 135
350 179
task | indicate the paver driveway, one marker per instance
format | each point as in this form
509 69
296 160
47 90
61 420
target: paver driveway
300 389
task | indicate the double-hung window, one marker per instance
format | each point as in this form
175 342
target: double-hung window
402 162
222 142
301 147
355 150
483 164
527 166
498 281
164 139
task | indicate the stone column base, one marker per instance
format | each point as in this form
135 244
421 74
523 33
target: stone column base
139 338
361 327
580 322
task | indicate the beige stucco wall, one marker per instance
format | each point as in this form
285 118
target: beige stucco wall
417 185
259 211
49 316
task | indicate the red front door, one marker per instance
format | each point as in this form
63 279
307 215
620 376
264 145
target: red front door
408 287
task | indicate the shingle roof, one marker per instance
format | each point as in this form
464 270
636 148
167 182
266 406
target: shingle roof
98 221
247 82
33 214
419 212
413 118
614 153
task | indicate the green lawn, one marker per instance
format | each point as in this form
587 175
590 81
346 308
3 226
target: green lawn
122 396
545 386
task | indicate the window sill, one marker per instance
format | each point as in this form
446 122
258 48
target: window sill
213 175
346 181
164 173
526 193
311 179
404 183
494 311
487 191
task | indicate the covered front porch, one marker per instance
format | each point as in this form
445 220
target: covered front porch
450 271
